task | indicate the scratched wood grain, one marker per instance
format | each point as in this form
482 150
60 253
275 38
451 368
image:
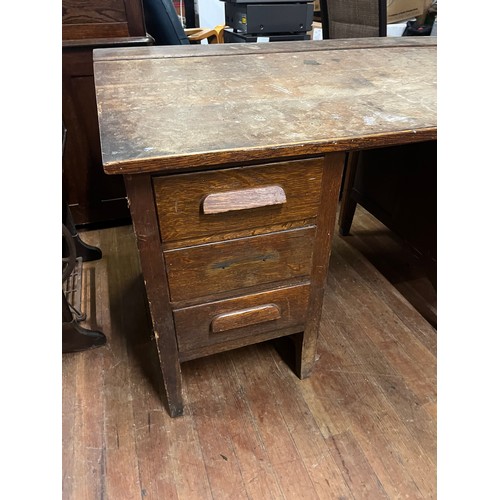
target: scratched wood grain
157 51
376 243
158 113
197 272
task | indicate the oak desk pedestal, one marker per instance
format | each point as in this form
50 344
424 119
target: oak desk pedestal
233 182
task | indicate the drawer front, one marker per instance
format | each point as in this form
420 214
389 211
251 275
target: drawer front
223 204
204 270
226 320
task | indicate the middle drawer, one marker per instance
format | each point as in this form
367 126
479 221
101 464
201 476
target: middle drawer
205 270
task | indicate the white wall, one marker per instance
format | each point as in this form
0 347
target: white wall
211 13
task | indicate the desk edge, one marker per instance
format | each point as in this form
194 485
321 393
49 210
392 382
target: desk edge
226 157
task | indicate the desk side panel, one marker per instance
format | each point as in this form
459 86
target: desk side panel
143 211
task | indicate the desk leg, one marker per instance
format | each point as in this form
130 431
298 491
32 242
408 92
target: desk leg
142 209
332 177
348 205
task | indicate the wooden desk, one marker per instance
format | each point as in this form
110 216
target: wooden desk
232 157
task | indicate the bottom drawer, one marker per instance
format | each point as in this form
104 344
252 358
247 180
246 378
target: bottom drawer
226 320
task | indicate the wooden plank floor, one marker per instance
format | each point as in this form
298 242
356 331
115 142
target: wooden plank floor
362 426
402 267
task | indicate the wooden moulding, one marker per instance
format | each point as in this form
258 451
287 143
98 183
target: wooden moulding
93 31
216 158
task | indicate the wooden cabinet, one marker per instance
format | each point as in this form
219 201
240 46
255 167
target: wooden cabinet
238 249
398 185
102 19
235 255
92 196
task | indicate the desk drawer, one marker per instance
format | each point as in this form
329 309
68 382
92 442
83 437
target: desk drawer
227 320
236 202
205 270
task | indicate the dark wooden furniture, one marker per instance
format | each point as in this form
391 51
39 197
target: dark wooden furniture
75 337
233 181
92 196
353 18
74 252
398 185
395 184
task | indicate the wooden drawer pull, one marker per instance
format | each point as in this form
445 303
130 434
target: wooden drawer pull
243 199
245 317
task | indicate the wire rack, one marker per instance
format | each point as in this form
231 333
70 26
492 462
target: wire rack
72 289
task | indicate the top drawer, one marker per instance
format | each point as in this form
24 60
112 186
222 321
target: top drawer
218 205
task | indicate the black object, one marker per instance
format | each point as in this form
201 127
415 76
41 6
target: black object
163 23
232 37
412 29
86 252
75 338
275 20
269 18
74 251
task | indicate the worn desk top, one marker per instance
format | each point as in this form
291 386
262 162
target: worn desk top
184 106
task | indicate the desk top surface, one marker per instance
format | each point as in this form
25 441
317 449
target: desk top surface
175 107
